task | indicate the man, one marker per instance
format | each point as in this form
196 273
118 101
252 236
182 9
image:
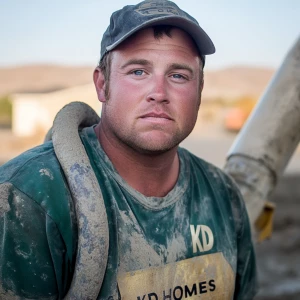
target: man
178 226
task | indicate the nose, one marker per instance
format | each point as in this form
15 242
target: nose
158 89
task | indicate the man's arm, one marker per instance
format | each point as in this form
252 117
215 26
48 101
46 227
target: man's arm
38 230
27 268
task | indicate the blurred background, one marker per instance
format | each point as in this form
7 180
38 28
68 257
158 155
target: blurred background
50 48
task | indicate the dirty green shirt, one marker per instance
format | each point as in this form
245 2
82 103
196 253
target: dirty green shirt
194 242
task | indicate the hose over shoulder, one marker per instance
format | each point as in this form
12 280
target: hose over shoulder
93 234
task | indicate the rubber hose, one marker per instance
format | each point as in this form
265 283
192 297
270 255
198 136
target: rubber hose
93 234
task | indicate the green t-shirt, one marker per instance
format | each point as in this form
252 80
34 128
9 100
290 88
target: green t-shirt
194 242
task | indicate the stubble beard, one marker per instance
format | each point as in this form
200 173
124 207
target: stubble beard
148 146
143 143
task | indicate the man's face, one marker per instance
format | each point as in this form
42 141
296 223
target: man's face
154 92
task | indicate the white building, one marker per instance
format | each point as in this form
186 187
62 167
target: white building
34 112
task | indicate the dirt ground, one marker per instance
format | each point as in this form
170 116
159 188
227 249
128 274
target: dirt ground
278 259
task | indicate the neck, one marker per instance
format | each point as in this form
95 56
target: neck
151 175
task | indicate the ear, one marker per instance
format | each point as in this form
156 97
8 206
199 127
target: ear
100 84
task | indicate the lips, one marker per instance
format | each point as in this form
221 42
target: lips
156 115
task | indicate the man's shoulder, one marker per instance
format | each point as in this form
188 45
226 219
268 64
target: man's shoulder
205 168
35 174
219 181
28 162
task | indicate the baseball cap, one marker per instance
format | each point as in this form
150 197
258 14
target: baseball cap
132 18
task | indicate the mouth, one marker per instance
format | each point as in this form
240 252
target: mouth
156 116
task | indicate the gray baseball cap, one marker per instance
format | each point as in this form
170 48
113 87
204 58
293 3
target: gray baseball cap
132 18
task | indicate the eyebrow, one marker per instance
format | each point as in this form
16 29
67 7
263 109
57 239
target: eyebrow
177 66
143 62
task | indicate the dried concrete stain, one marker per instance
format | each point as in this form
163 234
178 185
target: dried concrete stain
4 193
176 247
142 255
22 253
18 204
8 295
11 295
44 277
46 172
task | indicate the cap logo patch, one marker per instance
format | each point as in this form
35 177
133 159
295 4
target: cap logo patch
157 8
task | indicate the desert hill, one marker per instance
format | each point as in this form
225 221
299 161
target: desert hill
236 81
42 78
223 83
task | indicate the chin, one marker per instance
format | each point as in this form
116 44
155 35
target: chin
151 147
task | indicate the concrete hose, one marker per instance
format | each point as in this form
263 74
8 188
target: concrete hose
271 134
93 234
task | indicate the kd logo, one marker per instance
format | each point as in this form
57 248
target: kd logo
206 236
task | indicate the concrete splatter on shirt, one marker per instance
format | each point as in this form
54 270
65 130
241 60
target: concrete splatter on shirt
194 242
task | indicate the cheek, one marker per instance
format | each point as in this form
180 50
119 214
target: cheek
190 99
125 91
189 107
121 102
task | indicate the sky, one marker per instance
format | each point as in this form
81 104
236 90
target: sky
245 32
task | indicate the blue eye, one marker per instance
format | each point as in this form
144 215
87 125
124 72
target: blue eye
177 76
138 72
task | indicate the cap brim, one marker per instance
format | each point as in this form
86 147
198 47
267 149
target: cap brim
202 40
